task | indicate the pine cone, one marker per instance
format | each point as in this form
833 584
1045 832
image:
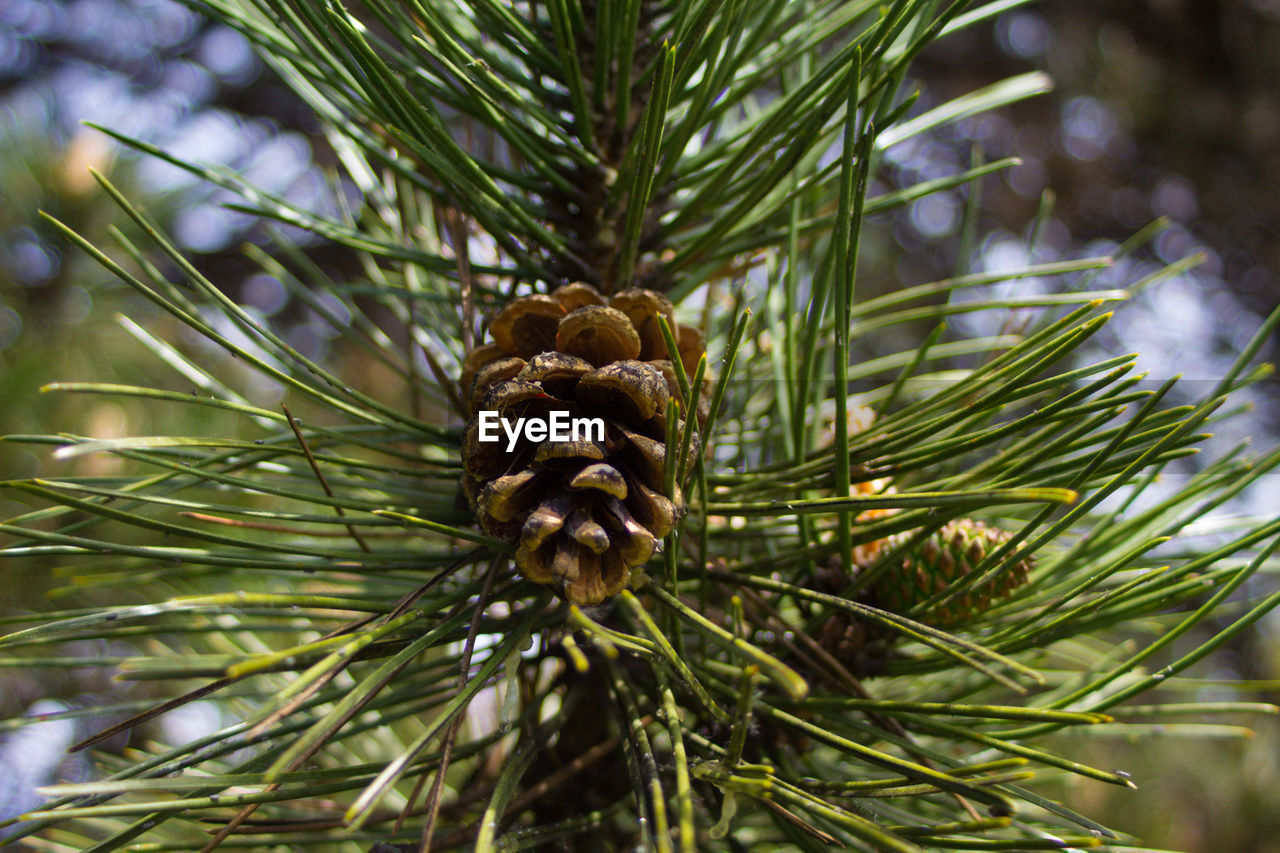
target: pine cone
584 512
950 553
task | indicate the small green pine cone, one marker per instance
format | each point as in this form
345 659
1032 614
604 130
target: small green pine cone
950 553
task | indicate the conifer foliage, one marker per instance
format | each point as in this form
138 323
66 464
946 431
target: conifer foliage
777 624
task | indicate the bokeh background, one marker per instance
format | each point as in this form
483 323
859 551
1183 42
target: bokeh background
1160 108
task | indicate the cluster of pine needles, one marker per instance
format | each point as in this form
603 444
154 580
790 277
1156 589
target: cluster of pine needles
813 660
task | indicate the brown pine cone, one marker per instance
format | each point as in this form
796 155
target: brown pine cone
586 511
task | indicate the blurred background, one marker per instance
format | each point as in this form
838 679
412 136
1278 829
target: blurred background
1161 108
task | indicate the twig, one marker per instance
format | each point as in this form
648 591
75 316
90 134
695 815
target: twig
444 380
297 701
405 603
462 256
451 734
138 719
324 484
800 823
